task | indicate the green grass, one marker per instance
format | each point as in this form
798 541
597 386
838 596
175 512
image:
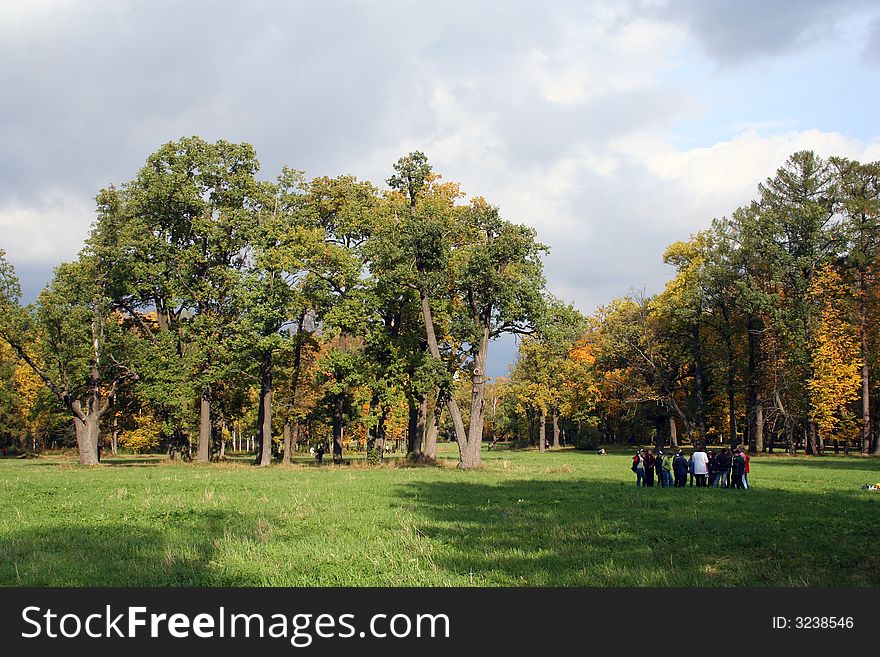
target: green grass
560 518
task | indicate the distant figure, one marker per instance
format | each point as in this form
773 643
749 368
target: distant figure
666 471
638 466
680 467
739 468
701 466
746 471
602 451
320 454
722 469
710 468
658 467
650 461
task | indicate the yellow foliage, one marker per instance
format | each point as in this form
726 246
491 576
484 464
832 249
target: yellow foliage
145 437
583 353
836 379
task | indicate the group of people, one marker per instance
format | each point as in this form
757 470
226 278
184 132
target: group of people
723 470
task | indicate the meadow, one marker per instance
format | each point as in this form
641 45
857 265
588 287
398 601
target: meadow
563 518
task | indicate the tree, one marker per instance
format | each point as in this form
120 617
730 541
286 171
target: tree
859 198
836 372
79 345
176 236
414 252
343 210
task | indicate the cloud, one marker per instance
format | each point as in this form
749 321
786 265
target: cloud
51 230
872 46
745 30
569 117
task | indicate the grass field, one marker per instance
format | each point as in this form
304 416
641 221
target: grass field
526 519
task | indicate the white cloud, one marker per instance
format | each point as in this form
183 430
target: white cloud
48 232
601 56
697 184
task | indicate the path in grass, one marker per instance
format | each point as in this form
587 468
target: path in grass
560 518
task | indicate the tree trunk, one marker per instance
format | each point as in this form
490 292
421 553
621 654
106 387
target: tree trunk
434 429
265 457
866 373
417 426
338 421
542 431
699 383
759 427
752 400
472 457
673 432
731 397
555 429
87 432
812 443
412 424
204 454
285 456
376 441
461 436
530 424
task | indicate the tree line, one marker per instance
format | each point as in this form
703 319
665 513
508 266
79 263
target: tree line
767 334
208 303
211 308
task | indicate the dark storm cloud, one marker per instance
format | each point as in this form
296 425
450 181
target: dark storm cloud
872 48
97 90
736 31
90 89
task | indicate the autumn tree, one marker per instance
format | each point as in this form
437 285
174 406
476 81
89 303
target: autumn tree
72 340
836 354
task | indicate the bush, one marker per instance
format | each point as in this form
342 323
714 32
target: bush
588 438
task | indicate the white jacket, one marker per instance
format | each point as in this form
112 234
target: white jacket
701 463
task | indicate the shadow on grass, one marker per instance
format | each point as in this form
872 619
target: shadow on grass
586 533
867 464
116 554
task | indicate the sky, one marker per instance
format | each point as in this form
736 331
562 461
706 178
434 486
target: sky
613 128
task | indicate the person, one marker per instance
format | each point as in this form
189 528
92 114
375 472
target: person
680 467
746 456
666 472
739 466
650 461
638 467
701 466
722 469
710 468
320 453
691 469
